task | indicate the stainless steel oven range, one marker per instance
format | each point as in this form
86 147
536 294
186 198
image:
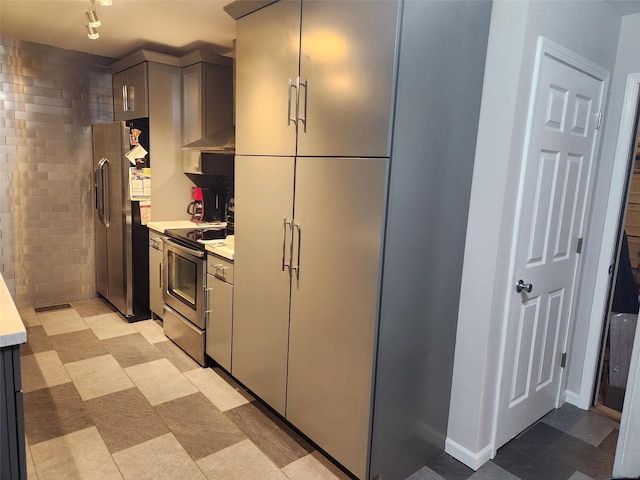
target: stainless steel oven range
184 286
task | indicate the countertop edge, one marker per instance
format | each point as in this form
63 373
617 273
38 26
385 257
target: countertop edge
12 329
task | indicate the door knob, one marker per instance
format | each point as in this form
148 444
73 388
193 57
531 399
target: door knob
520 286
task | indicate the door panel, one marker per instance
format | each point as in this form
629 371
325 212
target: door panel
338 213
347 58
267 54
557 172
263 198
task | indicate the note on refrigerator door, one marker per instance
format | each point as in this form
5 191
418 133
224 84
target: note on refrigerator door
136 152
139 183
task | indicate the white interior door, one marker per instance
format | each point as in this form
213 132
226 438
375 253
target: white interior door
558 166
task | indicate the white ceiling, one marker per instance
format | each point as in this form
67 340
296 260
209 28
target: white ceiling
173 27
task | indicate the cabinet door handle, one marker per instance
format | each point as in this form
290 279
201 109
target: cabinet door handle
289 117
160 282
303 119
125 98
285 222
296 267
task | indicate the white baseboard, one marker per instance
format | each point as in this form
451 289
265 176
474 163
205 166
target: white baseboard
471 459
572 398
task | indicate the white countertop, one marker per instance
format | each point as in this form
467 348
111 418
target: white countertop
12 331
162 226
223 250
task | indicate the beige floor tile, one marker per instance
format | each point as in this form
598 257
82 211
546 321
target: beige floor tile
151 330
313 467
109 325
29 317
42 370
242 461
159 381
31 469
77 455
162 458
98 376
67 320
219 392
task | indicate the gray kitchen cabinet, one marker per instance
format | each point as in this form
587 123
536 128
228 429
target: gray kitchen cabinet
130 93
316 83
12 442
155 273
261 286
219 329
349 239
171 188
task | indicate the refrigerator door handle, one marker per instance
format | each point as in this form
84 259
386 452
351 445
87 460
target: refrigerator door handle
102 189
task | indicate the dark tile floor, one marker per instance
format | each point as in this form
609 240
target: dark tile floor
105 399
567 444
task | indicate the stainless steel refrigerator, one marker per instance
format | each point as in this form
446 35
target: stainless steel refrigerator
122 262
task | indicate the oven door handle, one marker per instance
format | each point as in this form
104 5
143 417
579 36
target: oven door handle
190 251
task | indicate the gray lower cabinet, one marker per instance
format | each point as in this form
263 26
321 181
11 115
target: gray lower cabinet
306 290
219 330
261 296
12 443
155 273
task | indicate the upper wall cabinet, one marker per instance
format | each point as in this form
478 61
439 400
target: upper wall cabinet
130 93
315 78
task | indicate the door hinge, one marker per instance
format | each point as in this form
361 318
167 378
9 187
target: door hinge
563 360
579 246
599 121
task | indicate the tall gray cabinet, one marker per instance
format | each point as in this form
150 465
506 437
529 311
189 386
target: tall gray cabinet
355 135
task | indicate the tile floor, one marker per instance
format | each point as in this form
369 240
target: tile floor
105 399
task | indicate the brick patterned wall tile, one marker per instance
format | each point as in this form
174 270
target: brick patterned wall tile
50 97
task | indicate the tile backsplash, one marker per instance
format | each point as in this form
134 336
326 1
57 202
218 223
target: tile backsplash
50 98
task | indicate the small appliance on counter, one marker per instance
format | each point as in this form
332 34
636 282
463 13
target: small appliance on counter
207 205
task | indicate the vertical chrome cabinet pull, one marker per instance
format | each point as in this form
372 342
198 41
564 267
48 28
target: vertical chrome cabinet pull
284 242
297 267
160 275
125 98
303 119
289 117
209 310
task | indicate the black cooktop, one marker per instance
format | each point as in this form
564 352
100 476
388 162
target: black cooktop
190 236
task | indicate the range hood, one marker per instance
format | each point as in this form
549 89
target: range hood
223 141
207 107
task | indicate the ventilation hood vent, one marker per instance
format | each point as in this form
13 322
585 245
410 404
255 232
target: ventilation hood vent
207 108
224 141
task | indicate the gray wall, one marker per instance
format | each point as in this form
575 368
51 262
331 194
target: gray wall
49 98
590 29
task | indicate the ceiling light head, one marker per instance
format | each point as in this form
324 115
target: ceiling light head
92 15
92 33
106 3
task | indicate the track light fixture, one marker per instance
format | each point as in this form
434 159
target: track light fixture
92 33
92 15
94 21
